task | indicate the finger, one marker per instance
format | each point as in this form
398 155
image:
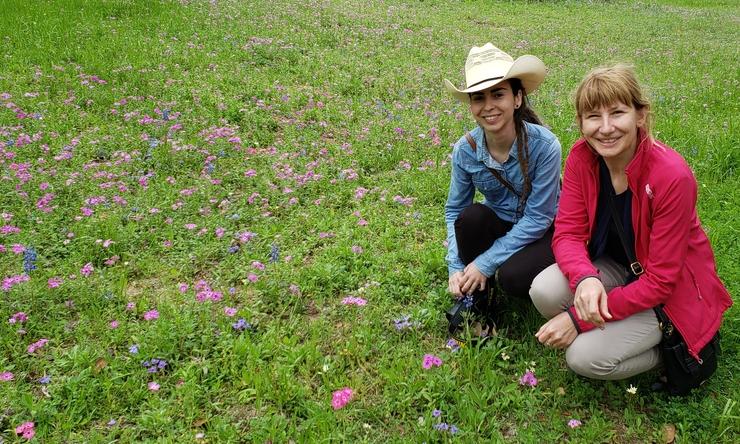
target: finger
482 285
604 306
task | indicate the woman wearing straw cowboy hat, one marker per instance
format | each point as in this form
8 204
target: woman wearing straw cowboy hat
514 162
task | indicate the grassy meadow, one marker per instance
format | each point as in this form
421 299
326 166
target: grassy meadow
217 214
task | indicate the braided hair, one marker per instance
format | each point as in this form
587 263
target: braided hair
523 114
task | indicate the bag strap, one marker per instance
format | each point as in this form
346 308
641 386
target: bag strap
635 265
498 176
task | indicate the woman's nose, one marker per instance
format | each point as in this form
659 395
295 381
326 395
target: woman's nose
606 124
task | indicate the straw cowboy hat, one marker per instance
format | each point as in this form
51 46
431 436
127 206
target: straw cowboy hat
488 65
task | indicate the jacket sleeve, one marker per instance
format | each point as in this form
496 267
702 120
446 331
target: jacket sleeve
672 215
459 197
570 240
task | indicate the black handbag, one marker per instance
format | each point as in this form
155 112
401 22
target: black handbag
682 371
468 311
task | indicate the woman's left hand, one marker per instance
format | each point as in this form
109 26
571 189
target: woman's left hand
472 279
558 332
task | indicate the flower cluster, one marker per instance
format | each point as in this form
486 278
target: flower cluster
151 315
443 426
430 361
26 430
242 325
340 398
404 323
19 317
154 365
528 379
573 423
351 300
29 259
37 345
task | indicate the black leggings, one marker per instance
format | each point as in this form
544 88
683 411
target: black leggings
478 226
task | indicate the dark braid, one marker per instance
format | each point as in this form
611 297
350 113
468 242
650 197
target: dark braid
523 114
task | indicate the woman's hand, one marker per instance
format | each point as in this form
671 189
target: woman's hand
472 279
454 284
558 332
591 301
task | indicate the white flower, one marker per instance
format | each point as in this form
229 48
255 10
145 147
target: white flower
632 389
504 356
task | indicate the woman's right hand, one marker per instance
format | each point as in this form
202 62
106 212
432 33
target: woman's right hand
454 284
591 301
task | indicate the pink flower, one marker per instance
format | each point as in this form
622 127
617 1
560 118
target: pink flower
351 300
113 324
26 430
6 376
18 248
151 315
87 270
528 378
220 232
258 265
19 317
153 386
252 277
36 345
430 361
229 311
573 423
294 289
183 287
130 306
362 222
54 282
356 249
340 398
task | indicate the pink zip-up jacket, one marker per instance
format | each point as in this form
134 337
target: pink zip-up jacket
680 271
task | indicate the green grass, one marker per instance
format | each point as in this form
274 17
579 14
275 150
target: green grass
314 93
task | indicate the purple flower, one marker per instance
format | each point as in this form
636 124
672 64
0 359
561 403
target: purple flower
241 325
134 349
436 413
528 378
44 380
430 361
573 423
151 315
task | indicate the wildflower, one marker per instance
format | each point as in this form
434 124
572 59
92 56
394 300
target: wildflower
504 356
356 249
154 365
19 317
442 426
130 306
351 300
294 290
113 324
153 386
111 423
151 315
430 361
229 311
44 380
26 430
340 398
252 277
632 390
528 378
436 413
29 260
403 323
453 344
220 232
134 349
87 269
453 429
241 325
258 265
573 423
37 345
6 376
274 253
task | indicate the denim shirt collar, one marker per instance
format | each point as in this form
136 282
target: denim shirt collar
485 157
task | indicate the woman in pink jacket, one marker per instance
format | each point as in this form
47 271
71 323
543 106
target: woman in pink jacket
599 296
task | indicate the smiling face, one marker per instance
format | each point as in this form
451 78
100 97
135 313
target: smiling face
493 108
611 130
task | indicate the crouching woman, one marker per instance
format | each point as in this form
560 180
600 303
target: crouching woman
627 239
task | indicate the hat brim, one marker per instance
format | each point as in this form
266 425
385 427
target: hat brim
527 68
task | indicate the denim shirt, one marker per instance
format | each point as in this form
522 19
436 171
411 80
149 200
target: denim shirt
470 173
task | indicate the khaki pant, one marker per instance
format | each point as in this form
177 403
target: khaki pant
622 349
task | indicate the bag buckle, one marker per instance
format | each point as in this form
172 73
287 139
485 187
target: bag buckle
637 269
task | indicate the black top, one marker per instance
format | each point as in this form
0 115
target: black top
605 240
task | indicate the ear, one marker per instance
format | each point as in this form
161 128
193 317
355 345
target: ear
518 99
642 114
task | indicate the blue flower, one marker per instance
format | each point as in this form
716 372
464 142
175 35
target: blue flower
241 325
436 413
134 349
274 253
45 380
29 259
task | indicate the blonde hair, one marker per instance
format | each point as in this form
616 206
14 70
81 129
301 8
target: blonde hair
609 85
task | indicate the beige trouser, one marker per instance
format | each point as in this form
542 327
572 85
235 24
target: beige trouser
622 349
